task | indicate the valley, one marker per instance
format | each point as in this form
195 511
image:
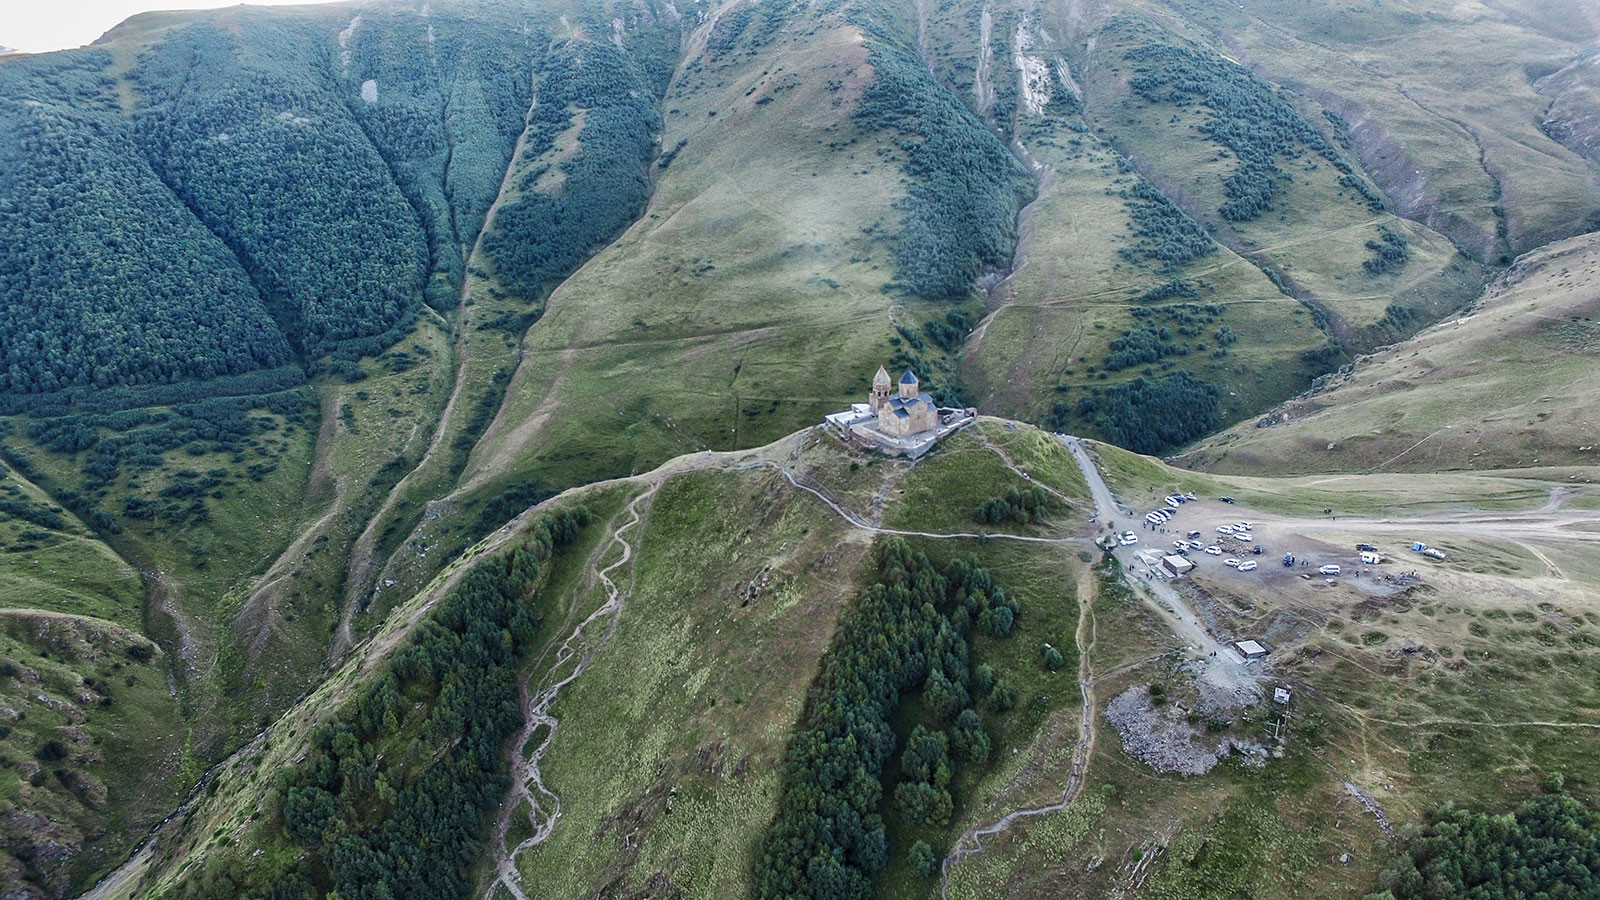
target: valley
411 481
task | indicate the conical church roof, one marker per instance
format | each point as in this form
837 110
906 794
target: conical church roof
908 378
882 378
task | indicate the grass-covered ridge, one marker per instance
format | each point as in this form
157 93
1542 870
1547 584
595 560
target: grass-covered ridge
393 798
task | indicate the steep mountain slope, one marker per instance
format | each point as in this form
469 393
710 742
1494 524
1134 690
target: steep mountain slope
732 312
1273 229
305 302
239 498
1510 384
1446 104
103 726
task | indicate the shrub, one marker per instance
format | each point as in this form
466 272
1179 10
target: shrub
1052 658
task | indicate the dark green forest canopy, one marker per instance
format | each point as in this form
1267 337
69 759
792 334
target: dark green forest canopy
543 235
105 278
907 632
282 187
250 132
443 98
1549 849
964 187
1154 416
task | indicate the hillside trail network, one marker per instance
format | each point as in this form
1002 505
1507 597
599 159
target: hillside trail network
1551 521
526 780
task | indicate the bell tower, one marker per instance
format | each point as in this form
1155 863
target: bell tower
880 390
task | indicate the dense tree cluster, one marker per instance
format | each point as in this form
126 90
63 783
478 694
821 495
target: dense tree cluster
384 816
949 332
105 278
508 503
446 102
1248 116
733 30
1018 505
545 234
249 136
32 513
1140 345
1389 251
1374 200
1549 849
1167 235
1166 291
1154 416
964 188
904 633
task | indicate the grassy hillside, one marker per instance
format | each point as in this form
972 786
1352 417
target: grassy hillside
1510 384
1445 104
1192 217
94 743
736 309
308 302
736 589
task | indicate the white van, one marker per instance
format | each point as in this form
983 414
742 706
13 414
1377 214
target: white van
1329 570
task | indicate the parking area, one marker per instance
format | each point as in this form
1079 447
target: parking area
1220 539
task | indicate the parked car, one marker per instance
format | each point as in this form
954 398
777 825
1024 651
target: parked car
1128 538
1214 550
1329 570
1248 565
1224 529
1256 550
1226 499
1231 562
1366 548
1193 534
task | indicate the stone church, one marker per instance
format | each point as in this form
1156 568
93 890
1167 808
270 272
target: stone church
904 412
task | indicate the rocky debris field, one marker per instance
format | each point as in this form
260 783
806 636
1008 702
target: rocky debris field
1162 738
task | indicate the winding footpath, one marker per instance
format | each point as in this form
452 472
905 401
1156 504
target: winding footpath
972 841
544 806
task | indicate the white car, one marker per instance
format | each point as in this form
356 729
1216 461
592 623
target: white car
1243 526
1214 550
1244 536
1154 519
1224 529
1180 545
1329 570
1128 538
1231 562
1248 565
